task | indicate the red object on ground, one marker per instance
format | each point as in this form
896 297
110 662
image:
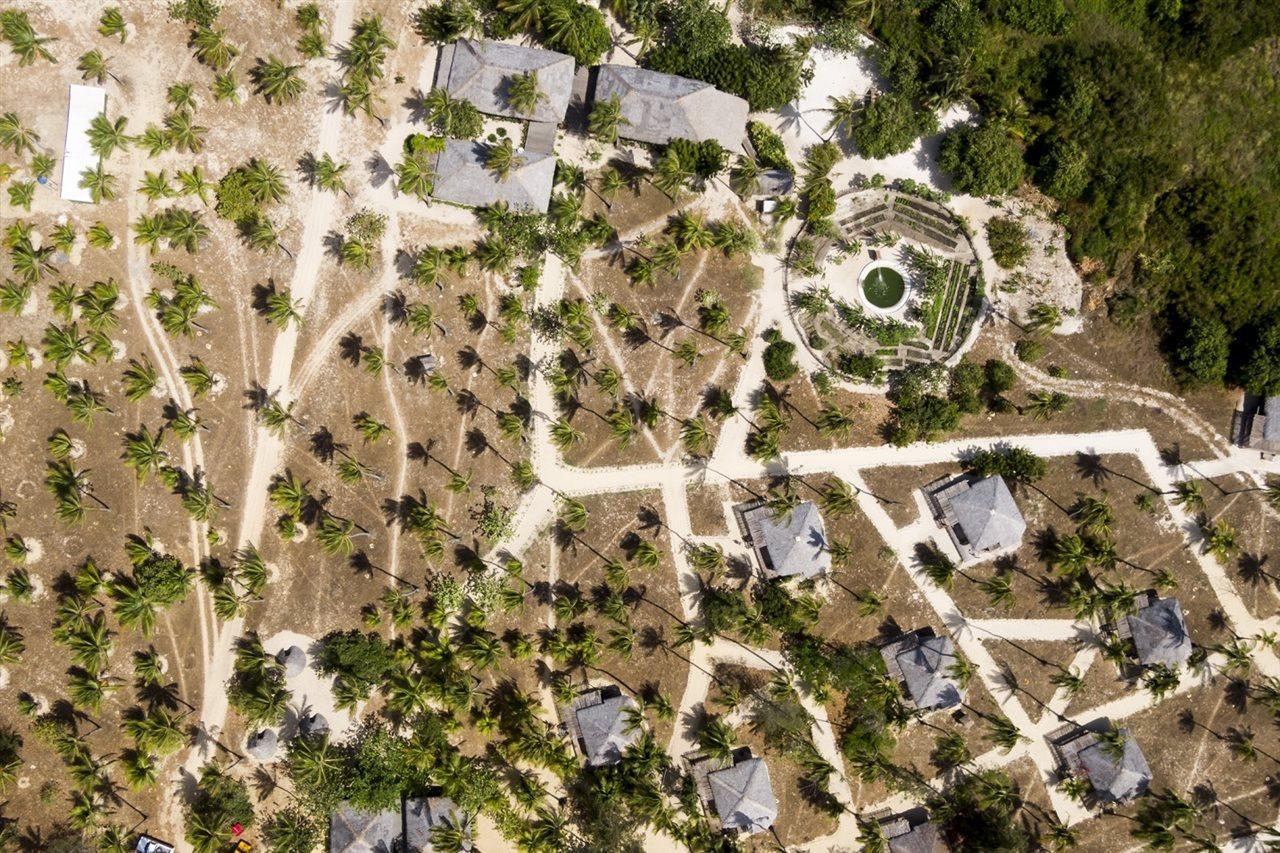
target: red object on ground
236 829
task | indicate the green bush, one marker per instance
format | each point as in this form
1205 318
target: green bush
983 160
1010 241
162 579
1029 350
866 367
576 29
362 659
768 145
703 159
779 360
1200 357
696 43
235 201
890 124
1000 376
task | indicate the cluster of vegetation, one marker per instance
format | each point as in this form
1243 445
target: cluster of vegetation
929 401
693 38
1010 241
565 25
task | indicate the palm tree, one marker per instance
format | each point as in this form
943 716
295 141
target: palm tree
501 159
573 515
1045 404
1070 681
695 436
327 174
998 589
845 111
100 184
717 738
264 181
523 93
1003 733
277 81
212 48
143 451
414 175
183 133
22 38
1094 515
937 566
1221 540
606 119
15 135
744 177
1190 495
92 65
112 24
1043 318
1160 680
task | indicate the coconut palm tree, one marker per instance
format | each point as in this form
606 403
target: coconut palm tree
111 24
327 174
14 134
573 515
100 184
501 159
92 65
606 120
1044 405
998 589
744 177
277 81
212 48
845 112
144 453
23 40
183 133
414 175
1070 681
1043 318
717 739
1003 733
523 94
1221 540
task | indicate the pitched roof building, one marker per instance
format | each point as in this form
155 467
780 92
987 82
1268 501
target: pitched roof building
980 515
602 733
1158 631
793 545
422 815
481 71
743 796
903 837
1114 779
919 662
658 108
353 830
463 178
1256 424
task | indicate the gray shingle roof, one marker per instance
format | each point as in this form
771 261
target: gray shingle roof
660 107
904 838
793 545
1118 781
743 796
923 662
422 814
1271 425
481 71
604 730
354 831
293 659
262 745
313 724
462 178
988 515
1159 633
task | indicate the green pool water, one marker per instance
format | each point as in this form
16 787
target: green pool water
883 287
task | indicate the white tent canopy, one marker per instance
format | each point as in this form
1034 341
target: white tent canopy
78 157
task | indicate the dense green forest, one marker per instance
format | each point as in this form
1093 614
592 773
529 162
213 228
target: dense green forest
1152 122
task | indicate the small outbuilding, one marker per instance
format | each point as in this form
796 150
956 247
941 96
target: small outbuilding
294 661
600 726
1157 630
920 662
1256 424
313 724
790 545
979 514
1115 778
263 745
657 108
84 104
902 835
743 796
